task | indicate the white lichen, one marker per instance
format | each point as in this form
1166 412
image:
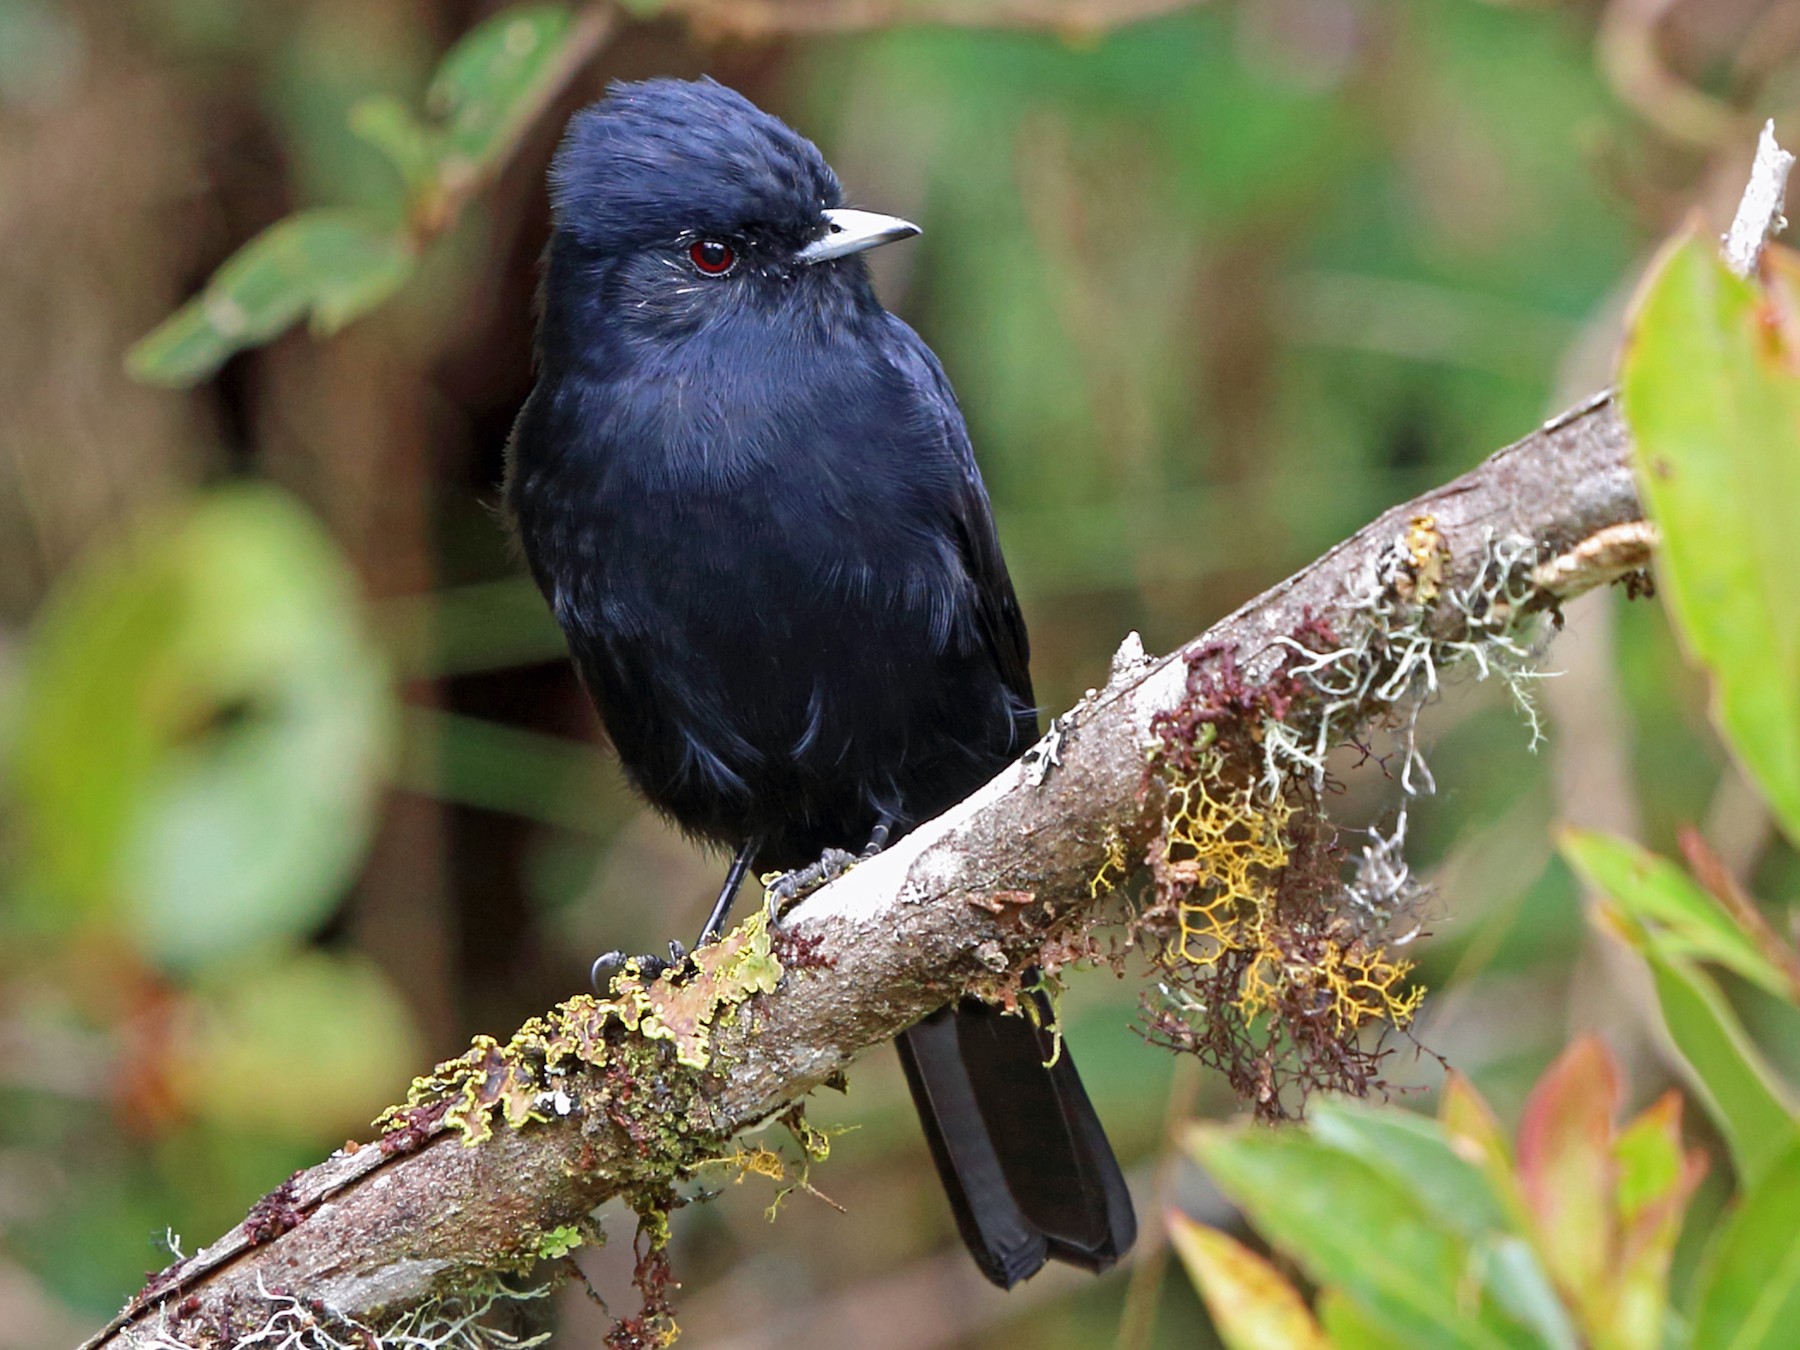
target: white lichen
1384 892
445 1322
1410 630
1396 660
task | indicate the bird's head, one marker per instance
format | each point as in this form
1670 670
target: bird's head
679 201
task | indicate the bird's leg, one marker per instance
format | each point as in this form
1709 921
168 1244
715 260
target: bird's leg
878 838
608 964
832 864
734 878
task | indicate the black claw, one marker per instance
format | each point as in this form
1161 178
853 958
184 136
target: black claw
607 966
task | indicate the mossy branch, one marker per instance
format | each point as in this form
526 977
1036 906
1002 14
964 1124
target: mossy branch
499 1157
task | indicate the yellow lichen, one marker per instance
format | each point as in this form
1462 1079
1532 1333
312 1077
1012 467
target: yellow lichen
814 1142
760 1161
516 1082
1427 560
763 1161
1114 865
1367 985
1226 860
1225 853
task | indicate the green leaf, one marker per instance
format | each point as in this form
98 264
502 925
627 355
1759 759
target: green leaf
1354 1227
1511 1268
1414 1152
1711 390
1347 1326
1682 918
1733 1080
334 264
386 123
1252 1306
1471 1128
1749 1288
494 80
204 726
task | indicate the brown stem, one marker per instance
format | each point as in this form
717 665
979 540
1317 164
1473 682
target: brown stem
757 19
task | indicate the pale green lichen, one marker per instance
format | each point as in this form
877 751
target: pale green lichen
639 1058
518 1083
559 1242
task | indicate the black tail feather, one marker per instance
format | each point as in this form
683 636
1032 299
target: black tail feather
1023 1159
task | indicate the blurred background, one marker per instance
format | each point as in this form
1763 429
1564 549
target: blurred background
300 793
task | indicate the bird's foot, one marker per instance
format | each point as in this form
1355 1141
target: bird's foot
791 887
608 966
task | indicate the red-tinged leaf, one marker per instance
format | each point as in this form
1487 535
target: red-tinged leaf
1652 1166
1664 905
1656 1179
1566 1166
1253 1307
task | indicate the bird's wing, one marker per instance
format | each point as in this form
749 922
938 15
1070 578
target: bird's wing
972 517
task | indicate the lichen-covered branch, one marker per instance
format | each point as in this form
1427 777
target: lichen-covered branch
497 1160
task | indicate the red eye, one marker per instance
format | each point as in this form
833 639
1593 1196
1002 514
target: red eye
712 257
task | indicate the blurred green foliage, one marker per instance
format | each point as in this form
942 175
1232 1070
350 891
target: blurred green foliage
336 264
332 264
202 727
1214 289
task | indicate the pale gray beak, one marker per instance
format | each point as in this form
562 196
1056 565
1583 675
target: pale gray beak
853 231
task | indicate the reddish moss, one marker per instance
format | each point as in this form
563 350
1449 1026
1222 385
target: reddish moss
1263 974
274 1214
799 951
653 1326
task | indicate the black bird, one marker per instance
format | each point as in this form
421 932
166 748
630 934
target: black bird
748 495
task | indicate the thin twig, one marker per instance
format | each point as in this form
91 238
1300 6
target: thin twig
439 210
1632 61
1759 215
761 19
